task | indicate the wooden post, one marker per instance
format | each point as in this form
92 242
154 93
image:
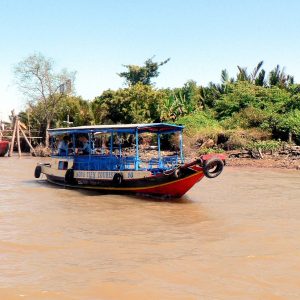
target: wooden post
18 136
260 153
29 144
29 127
13 138
290 137
1 135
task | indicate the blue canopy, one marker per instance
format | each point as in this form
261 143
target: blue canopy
119 128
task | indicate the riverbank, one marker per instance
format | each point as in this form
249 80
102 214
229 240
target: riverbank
269 161
266 162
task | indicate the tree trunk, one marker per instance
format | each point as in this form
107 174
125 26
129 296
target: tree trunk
47 134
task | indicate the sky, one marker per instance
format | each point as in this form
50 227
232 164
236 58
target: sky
96 38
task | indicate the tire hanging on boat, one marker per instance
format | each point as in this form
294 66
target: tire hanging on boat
37 171
69 176
117 179
213 167
177 173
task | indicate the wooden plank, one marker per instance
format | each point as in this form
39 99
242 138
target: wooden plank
12 140
29 144
18 137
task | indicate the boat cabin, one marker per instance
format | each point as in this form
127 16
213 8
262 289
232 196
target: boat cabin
136 147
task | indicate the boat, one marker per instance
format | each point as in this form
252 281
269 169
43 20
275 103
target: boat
4 146
117 161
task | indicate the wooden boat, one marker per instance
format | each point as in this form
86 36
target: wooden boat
110 166
4 145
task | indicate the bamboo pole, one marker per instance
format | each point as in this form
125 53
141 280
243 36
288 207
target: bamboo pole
29 144
13 138
18 137
29 127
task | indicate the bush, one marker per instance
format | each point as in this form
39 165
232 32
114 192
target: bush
265 146
210 150
197 122
290 123
247 118
240 138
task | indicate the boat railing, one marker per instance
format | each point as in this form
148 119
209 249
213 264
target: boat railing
170 162
96 162
119 163
164 163
104 163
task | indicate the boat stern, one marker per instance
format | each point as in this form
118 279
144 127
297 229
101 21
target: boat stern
55 169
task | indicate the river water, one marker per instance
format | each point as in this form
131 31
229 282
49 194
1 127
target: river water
233 237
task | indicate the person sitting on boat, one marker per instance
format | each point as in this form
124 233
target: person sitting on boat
63 146
86 149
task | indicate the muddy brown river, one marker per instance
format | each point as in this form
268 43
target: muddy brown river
233 237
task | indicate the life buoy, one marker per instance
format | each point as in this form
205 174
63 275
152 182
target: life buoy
177 173
117 179
69 176
37 171
213 167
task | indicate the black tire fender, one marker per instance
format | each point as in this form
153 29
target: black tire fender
69 176
177 173
118 179
213 167
37 171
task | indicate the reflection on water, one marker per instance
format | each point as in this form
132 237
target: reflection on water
234 237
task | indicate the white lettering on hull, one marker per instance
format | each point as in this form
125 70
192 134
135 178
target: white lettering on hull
109 175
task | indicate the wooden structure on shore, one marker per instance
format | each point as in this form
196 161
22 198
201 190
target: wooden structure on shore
18 132
19 127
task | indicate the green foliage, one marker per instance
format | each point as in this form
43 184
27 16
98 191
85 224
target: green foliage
203 151
290 122
197 121
136 104
180 102
240 138
253 106
247 118
239 96
78 110
142 74
168 108
260 79
278 77
264 146
243 94
44 88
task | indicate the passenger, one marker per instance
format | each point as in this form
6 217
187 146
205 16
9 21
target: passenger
63 146
86 149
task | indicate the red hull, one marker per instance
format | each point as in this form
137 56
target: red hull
3 147
175 188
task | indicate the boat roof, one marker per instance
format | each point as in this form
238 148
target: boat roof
119 128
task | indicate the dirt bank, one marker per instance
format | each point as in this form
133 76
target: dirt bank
268 161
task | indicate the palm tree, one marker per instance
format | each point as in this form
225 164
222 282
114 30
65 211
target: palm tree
278 77
260 79
255 71
243 75
255 77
